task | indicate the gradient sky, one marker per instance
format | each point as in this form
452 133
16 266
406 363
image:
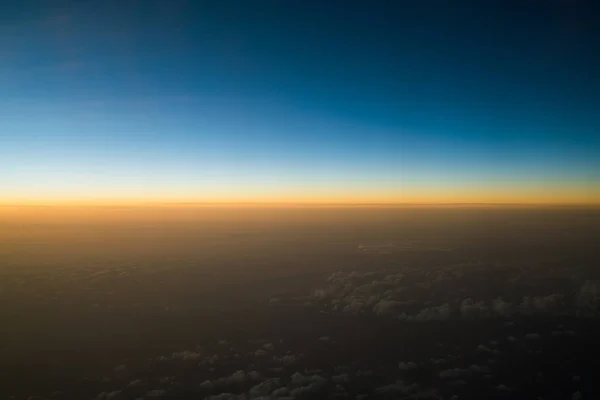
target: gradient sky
336 101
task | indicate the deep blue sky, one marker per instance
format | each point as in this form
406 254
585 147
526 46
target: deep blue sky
199 100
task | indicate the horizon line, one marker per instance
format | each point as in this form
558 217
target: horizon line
292 204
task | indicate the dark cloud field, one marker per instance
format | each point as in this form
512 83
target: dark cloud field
300 303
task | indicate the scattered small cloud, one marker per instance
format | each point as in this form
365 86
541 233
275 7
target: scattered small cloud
456 373
156 393
186 355
288 359
396 388
439 313
120 368
268 346
532 336
136 383
405 366
254 375
308 385
473 310
265 387
588 298
484 349
341 378
226 396
207 385
502 307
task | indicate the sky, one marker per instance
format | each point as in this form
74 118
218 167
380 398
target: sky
299 101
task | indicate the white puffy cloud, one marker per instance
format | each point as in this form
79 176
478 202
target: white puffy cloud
356 307
313 371
304 391
207 385
288 359
114 395
136 383
588 298
298 379
397 388
384 248
550 304
502 308
167 380
479 369
394 278
356 292
341 378
186 355
380 294
484 349
278 393
120 368
211 360
471 309
388 307
265 387
226 396
439 313
405 366
307 384
427 394
454 373
254 375
237 377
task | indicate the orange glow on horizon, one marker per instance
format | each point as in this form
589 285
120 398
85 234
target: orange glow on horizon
539 197
373 192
